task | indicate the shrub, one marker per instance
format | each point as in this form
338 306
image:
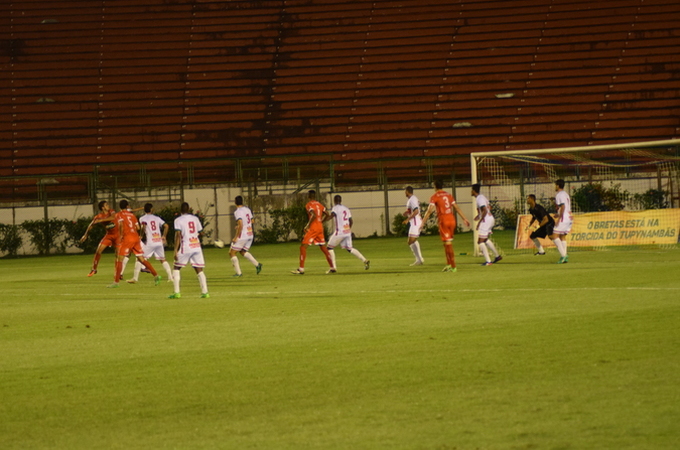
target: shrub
506 218
593 197
652 199
46 235
284 222
75 229
10 239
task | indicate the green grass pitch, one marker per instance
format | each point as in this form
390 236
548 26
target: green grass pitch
522 354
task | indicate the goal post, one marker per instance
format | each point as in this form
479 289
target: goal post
622 195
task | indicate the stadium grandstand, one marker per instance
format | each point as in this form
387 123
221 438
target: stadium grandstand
153 92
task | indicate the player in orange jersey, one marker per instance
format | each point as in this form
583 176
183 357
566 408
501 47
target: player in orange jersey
106 218
445 205
128 227
314 233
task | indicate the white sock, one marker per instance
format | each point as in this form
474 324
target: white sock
358 254
492 247
564 244
125 261
538 245
332 253
560 247
168 269
138 268
235 263
485 252
415 248
175 280
249 256
203 282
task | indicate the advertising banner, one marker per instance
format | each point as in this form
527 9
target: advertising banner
599 229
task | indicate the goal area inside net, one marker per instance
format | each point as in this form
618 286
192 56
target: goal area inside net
622 196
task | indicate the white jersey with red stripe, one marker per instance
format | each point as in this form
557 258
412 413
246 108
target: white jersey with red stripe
341 216
189 227
153 228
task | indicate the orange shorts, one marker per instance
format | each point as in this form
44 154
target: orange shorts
131 245
446 230
314 236
108 241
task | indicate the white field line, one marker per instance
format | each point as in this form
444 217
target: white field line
189 295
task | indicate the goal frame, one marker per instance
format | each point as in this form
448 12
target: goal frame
476 156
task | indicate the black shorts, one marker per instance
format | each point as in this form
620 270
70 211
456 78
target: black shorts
543 232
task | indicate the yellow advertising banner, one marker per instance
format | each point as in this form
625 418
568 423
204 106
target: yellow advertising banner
656 226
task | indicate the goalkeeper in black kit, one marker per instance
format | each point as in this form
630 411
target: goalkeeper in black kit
545 223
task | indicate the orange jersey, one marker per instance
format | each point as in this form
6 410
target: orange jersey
111 227
444 203
130 223
318 209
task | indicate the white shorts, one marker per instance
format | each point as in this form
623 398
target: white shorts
340 240
242 244
414 231
486 227
194 257
156 250
564 227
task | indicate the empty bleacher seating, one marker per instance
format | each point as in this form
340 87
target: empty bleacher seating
86 84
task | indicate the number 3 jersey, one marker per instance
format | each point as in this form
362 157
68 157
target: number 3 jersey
444 203
189 226
245 215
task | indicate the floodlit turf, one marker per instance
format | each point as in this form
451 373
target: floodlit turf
522 354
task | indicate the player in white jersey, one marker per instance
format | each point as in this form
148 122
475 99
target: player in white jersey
243 238
563 221
414 220
188 249
484 226
156 231
342 237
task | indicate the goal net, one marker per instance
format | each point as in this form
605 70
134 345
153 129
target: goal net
622 196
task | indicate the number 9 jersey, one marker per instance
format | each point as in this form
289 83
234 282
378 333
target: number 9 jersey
189 249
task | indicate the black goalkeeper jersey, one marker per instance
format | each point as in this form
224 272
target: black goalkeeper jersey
539 212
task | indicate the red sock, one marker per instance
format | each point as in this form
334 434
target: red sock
119 269
450 256
95 263
303 256
328 255
148 265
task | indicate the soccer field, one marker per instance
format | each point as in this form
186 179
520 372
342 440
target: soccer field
522 354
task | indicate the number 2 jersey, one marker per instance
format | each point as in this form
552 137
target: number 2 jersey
341 215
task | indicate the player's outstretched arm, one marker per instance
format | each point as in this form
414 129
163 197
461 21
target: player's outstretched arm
178 239
166 227
460 213
414 213
312 215
428 213
87 231
239 229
